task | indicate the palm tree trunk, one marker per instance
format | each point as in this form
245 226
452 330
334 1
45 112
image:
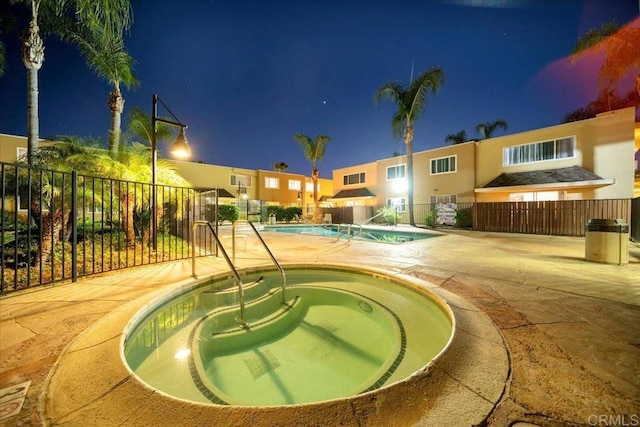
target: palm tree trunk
315 176
116 105
32 57
127 204
408 140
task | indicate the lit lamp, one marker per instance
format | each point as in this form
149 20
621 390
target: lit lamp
180 148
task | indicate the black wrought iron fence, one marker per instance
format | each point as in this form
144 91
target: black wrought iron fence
62 225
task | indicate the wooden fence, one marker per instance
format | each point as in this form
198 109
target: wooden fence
560 218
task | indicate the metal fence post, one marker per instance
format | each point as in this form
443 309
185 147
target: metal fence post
74 226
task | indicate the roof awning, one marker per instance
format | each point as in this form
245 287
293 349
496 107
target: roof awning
545 180
221 192
356 193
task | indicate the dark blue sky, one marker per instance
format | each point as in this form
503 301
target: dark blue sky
246 75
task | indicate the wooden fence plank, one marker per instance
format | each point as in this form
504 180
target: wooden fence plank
559 217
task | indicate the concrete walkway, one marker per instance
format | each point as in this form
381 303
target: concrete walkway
569 327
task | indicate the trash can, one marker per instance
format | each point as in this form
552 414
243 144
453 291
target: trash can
272 219
607 241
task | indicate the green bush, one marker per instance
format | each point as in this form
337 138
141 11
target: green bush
431 220
389 214
229 213
141 220
464 218
291 212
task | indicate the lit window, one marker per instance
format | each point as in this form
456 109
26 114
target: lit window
295 184
399 203
309 187
395 172
562 148
271 182
443 165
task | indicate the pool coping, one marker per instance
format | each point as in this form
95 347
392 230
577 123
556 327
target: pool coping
472 374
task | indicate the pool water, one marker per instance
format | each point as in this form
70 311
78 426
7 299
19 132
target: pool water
339 334
370 234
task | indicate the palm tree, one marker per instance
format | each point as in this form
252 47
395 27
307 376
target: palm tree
487 129
7 23
280 166
32 58
411 102
314 150
51 192
621 46
97 29
457 138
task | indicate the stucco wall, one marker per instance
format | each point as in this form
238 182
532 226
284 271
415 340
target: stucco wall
604 146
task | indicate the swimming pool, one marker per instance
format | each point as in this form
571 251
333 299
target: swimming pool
342 332
355 232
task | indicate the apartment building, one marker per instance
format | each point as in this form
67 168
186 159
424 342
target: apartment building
589 159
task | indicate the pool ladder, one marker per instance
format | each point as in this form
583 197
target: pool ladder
360 224
231 263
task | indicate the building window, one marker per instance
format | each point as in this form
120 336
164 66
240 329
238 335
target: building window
562 148
309 187
21 153
399 203
242 180
295 185
271 182
443 165
444 198
537 196
395 172
355 178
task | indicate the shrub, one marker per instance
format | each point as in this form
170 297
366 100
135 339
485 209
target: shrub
389 214
291 212
464 218
229 213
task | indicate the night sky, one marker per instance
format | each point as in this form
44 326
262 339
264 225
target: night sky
246 75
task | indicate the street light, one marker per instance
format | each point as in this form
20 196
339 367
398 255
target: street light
180 148
242 193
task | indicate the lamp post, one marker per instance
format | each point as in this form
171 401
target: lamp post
180 148
242 194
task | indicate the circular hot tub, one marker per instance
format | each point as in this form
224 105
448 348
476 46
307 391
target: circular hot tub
337 333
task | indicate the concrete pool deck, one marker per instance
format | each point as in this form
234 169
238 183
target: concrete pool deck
568 329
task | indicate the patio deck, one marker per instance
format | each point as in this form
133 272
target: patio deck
569 326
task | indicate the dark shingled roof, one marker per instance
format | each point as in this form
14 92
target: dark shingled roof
356 192
221 192
549 176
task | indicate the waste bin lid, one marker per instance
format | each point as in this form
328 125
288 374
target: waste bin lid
607 225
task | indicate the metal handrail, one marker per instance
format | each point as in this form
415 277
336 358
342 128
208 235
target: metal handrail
370 219
242 319
360 224
264 244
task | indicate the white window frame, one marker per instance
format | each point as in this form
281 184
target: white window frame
309 187
245 180
295 185
21 153
443 198
271 182
514 154
434 162
401 202
362 177
402 167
